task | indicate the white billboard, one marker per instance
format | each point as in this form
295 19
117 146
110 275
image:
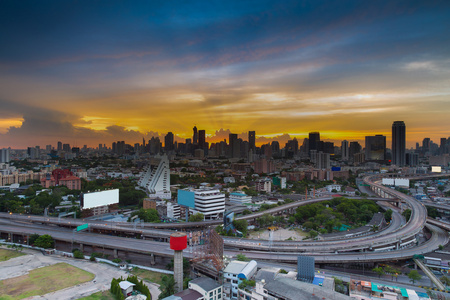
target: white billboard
96 199
401 182
436 169
388 181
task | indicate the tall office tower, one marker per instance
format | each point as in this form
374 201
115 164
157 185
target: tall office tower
201 139
59 146
168 142
314 139
195 136
114 147
442 146
344 150
48 148
4 155
398 143
275 148
328 147
66 147
375 148
143 143
412 159
252 141
426 145
353 149
291 147
233 145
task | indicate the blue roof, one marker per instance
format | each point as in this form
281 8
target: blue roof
238 194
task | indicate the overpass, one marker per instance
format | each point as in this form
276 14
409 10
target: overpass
393 245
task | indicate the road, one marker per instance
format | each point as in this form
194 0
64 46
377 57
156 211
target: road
278 251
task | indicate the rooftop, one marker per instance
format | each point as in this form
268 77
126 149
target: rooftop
205 283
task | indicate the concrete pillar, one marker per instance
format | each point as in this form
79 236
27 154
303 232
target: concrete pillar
178 269
152 259
81 247
116 255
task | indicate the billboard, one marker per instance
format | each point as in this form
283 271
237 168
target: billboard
388 181
186 198
436 169
96 199
401 182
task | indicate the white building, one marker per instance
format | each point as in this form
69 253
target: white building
264 185
210 202
233 275
332 187
207 287
240 198
229 179
157 180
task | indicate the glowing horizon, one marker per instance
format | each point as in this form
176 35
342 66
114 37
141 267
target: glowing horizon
102 73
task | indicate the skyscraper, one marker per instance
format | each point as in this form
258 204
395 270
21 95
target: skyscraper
344 150
252 141
314 139
398 143
201 139
195 136
4 155
234 149
375 147
168 142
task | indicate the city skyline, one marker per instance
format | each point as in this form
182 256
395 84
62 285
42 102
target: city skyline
99 73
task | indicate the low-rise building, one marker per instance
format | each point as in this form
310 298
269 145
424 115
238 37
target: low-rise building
240 198
234 273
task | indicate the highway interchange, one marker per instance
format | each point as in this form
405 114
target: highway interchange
356 249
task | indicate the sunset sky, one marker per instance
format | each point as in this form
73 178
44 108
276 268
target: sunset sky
90 72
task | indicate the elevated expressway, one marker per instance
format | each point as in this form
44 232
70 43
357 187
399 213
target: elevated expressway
366 248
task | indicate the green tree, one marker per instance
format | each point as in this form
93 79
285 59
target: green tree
445 280
198 217
388 215
241 225
33 238
44 241
247 212
379 271
407 214
167 286
413 275
241 257
147 215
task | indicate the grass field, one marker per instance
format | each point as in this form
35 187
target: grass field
8 254
105 295
42 281
148 275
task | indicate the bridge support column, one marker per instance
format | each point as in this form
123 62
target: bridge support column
116 254
81 247
28 240
397 246
10 237
152 259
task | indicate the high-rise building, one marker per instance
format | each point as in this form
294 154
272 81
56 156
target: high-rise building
375 148
168 142
60 146
353 149
426 145
201 139
398 143
157 180
234 149
252 141
195 135
344 150
314 139
4 155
